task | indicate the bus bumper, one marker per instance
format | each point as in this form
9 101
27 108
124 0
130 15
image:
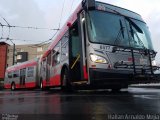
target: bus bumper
112 78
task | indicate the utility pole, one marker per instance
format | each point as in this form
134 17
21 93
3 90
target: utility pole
14 50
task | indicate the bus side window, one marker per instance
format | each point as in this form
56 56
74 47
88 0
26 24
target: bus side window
30 72
16 74
56 58
56 55
10 75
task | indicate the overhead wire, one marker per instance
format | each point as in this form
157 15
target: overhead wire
71 7
61 14
39 44
8 31
29 27
42 42
16 39
45 42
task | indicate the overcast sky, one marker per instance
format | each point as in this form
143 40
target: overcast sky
47 14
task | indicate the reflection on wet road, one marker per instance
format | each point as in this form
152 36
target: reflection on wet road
82 103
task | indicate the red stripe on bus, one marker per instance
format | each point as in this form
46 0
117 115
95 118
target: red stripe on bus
54 81
46 53
44 83
27 85
85 73
30 85
7 86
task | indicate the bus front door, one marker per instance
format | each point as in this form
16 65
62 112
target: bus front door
75 54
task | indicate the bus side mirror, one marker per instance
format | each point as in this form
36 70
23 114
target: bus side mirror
88 4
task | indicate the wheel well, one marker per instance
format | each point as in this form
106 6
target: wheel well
12 83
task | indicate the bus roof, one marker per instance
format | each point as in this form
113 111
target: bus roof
30 63
73 18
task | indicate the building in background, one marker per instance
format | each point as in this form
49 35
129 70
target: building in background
22 53
25 52
3 60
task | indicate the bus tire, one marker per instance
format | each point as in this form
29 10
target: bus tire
13 86
65 83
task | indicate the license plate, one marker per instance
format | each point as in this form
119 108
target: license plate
143 61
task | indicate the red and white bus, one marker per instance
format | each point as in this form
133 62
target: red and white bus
100 46
24 75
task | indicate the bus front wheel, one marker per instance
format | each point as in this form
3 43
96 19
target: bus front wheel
65 82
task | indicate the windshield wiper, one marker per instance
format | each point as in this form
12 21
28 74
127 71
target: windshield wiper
131 23
134 25
120 32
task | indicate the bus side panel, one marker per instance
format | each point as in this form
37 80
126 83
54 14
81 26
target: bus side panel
55 81
7 84
30 85
31 79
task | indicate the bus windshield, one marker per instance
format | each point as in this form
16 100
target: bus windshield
117 30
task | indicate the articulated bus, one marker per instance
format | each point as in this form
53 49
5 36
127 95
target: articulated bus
101 45
24 75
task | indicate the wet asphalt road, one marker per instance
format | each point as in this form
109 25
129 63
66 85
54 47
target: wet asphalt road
80 105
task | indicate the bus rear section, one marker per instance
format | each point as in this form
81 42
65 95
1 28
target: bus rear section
24 75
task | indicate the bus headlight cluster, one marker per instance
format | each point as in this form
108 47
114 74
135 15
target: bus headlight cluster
97 59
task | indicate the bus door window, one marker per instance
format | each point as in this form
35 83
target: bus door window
64 48
56 55
44 68
75 48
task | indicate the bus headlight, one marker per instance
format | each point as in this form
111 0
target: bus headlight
98 59
154 63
